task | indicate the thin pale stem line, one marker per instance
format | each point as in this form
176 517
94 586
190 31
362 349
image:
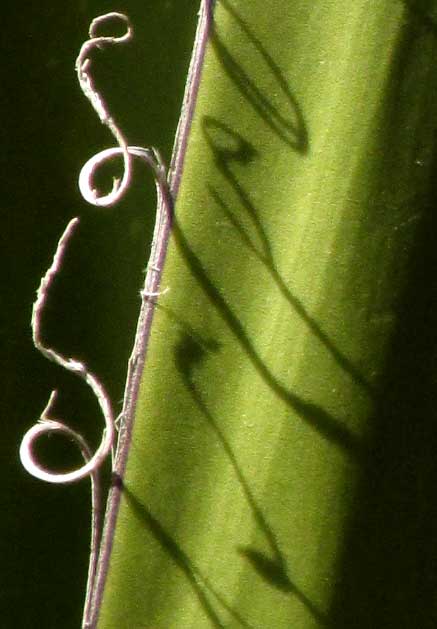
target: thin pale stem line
152 283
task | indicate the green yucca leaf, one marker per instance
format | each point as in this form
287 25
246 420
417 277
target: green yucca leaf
271 371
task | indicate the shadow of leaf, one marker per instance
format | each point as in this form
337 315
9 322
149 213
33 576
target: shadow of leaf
317 417
199 583
288 126
229 146
271 570
422 12
189 354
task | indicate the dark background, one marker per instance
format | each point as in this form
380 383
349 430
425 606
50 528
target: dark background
48 131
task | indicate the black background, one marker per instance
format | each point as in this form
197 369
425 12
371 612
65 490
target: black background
48 131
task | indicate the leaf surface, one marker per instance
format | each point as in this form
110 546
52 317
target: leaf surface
304 190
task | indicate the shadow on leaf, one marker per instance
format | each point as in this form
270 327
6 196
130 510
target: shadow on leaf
200 584
190 352
286 121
